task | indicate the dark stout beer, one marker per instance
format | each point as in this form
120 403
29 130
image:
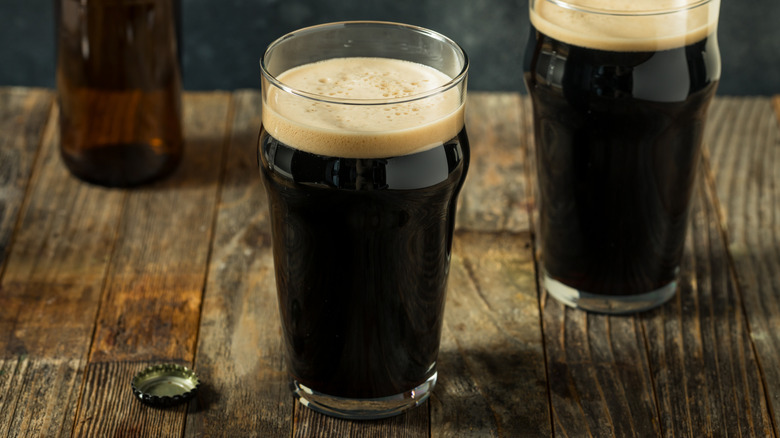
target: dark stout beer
618 128
119 84
362 201
361 250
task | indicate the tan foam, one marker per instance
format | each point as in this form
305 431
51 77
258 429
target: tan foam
622 33
363 131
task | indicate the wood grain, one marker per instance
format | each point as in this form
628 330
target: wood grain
23 117
744 140
108 407
152 303
459 407
705 371
410 424
492 368
491 364
240 352
56 270
38 397
51 290
494 195
600 382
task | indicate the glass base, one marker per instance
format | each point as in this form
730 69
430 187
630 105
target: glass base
363 408
609 304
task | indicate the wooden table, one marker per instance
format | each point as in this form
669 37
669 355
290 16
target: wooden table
96 284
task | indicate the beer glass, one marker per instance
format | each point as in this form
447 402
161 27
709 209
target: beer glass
620 92
362 152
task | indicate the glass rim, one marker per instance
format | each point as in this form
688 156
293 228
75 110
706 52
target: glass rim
624 13
455 81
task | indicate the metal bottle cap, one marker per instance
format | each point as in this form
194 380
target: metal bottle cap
165 384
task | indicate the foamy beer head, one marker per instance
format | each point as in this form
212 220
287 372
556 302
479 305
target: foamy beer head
366 96
626 25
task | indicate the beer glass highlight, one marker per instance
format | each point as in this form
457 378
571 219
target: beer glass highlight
363 152
620 92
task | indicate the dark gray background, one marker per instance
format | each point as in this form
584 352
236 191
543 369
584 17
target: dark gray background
223 39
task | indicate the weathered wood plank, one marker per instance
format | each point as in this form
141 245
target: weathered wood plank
151 307
458 397
492 373
744 141
38 397
12 372
240 353
153 293
411 424
108 407
55 272
600 383
706 375
493 197
23 115
51 289
491 365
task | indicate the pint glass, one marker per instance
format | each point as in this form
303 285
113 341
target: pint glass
620 92
362 152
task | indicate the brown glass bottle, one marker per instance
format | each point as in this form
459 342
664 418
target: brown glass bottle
119 89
